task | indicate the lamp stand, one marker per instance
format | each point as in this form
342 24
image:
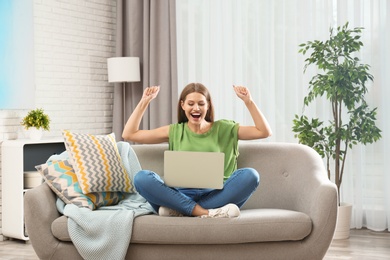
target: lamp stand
124 102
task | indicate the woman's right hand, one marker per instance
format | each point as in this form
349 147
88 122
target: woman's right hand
132 132
150 93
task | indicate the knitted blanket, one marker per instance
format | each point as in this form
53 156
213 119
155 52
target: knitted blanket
105 233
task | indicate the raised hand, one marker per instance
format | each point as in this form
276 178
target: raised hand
243 93
150 93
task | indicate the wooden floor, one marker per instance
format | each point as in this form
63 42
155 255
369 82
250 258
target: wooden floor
362 245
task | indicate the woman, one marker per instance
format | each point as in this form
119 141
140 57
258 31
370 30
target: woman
196 130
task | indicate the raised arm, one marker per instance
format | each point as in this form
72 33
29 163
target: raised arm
261 129
132 132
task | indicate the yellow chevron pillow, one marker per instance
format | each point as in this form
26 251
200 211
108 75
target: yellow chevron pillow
97 162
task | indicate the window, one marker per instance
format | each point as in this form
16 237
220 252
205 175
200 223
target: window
255 43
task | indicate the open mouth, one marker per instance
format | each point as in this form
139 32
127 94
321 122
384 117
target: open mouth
195 115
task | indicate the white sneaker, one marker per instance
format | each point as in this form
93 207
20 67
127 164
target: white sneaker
167 212
227 211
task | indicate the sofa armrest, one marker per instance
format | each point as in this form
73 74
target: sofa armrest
293 177
40 211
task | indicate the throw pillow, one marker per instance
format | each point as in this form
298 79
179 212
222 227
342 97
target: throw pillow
62 179
97 162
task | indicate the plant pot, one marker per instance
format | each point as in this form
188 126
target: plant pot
35 134
343 221
31 179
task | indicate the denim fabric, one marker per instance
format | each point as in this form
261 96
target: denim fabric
237 189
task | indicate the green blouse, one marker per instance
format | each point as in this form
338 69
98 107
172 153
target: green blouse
222 137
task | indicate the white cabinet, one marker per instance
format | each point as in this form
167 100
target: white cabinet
19 156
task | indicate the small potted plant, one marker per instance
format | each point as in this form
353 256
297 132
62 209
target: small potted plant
35 122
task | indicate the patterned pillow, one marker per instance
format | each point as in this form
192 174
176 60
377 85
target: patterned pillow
97 162
62 179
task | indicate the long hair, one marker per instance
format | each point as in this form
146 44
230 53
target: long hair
191 88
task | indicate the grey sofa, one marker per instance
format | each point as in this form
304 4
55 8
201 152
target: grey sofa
292 215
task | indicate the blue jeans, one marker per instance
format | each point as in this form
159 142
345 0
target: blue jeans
237 189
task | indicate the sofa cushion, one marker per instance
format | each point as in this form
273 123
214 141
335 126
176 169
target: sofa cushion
61 178
254 225
97 162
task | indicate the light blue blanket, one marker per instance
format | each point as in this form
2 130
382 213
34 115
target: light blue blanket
105 233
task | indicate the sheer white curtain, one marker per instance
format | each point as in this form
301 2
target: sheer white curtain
255 43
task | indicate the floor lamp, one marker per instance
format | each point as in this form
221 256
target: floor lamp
123 69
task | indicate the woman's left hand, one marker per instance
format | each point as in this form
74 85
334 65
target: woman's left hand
243 93
261 129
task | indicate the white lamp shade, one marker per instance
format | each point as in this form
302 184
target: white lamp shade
123 69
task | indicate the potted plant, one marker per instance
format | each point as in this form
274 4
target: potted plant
342 81
35 122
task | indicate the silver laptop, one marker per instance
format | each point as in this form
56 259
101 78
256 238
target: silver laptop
204 170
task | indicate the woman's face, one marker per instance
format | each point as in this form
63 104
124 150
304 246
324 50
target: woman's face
195 107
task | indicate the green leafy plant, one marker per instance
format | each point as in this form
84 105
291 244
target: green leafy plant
343 83
36 118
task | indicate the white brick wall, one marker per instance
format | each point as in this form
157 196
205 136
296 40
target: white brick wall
72 41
